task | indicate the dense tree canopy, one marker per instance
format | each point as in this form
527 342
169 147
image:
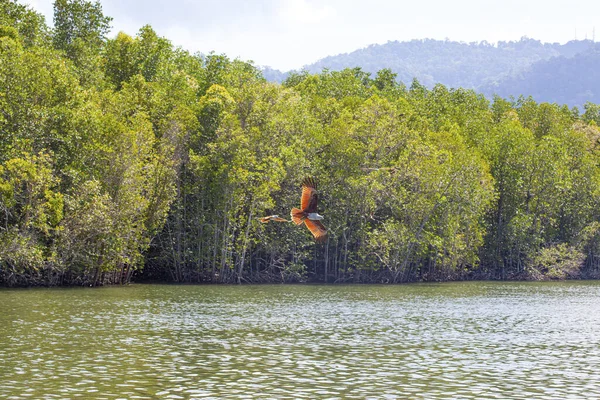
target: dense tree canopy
127 158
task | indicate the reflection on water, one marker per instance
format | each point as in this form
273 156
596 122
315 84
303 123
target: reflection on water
457 340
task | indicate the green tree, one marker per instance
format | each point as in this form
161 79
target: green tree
29 25
80 30
31 209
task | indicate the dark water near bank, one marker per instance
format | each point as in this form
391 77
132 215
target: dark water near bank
454 340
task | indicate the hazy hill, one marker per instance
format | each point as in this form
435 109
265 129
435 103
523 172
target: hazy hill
454 64
274 75
508 68
573 81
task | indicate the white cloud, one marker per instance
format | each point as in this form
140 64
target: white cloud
301 11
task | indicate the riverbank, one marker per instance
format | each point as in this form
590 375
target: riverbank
542 273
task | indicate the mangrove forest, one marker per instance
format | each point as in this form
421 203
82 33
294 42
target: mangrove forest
127 158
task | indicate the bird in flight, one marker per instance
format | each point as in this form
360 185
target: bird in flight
308 211
276 218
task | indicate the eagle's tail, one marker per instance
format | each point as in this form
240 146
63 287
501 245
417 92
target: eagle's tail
297 216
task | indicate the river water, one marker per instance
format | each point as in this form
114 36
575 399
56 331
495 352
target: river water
468 340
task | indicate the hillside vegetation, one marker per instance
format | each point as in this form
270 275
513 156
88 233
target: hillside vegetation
126 158
549 72
573 81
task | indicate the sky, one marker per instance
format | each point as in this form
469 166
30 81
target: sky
288 34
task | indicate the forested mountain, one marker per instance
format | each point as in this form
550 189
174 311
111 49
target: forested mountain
453 64
510 68
127 158
573 81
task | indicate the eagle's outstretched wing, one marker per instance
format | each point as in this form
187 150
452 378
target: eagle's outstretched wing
276 218
309 199
317 229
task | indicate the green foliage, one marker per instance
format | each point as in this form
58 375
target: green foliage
80 30
79 24
30 212
556 262
39 95
549 72
128 155
9 32
17 20
592 113
147 55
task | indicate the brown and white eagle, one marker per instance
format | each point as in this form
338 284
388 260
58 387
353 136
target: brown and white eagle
308 211
276 218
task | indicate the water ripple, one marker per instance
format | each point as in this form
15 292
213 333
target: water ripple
461 340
